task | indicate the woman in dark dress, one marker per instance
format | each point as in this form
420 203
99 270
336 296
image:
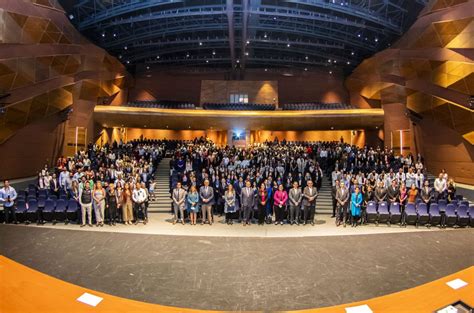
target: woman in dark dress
111 204
262 198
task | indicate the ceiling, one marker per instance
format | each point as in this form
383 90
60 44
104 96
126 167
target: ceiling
120 116
239 34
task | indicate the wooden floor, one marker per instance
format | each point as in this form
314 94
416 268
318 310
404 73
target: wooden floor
23 289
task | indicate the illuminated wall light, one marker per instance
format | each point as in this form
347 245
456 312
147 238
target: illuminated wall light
352 53
115 35
288 45
246 53
330 72
200 43
248 42
265 36
306 57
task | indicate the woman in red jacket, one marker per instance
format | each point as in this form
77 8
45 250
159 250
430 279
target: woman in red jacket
279 204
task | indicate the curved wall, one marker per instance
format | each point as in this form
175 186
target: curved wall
429 71
47 67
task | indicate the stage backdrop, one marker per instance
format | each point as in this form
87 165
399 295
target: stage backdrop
220 91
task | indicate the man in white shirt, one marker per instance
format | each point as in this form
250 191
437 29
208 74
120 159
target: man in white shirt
139 196
440 187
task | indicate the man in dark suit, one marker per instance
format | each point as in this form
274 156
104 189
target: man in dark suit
206 194
334 200
380 193
309 202
393 192
247 202
342 199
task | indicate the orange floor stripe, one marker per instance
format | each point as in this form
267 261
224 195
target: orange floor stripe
23 290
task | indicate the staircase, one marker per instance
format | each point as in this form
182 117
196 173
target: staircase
160 199
324 201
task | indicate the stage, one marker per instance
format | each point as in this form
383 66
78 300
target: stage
257 270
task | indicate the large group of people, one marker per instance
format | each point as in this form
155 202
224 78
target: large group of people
271 182
274 182
112 181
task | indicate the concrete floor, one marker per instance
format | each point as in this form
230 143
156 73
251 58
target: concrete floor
264 271
161 224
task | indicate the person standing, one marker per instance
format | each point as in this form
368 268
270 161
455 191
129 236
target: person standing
229 204
440 187
139 197
334 188
8 196
99 204
342 198
85 200
193 204
309 202
206 193
179 199
356 203
426 193
393 192
111 204
279 199
380 192
127 204
262 198
247 202
295 196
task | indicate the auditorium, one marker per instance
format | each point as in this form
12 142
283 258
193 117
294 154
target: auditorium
237 156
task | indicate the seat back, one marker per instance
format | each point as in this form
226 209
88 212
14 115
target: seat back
464 202
455 202
442 205
53 197
450 210
410 209
49 205
371 207
21 205
434 209
72 205
471 210
61 205
422 209
462 211
383 207
395 208
32 205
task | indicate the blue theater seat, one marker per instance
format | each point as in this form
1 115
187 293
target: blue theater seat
384 214
395 214
435 215
463 216
451 217
371 212
411 216
60 210
423 215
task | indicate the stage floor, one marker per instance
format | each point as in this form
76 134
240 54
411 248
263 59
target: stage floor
236 273
161 224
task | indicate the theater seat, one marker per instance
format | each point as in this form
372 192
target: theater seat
384 214
463 217
32 211
60 210
471 216
451 217
72 211
423 215
371 212
411 217
48 211
395 214
435 215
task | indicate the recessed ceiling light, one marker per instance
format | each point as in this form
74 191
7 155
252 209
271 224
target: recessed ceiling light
352 53
200 43
246 53
266 70
306 57
288 45
265 36
147 67
248 42
157 56
330 72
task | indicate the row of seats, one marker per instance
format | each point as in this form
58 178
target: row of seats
32 193
314 106
239 106
421 214
51 209
162 104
